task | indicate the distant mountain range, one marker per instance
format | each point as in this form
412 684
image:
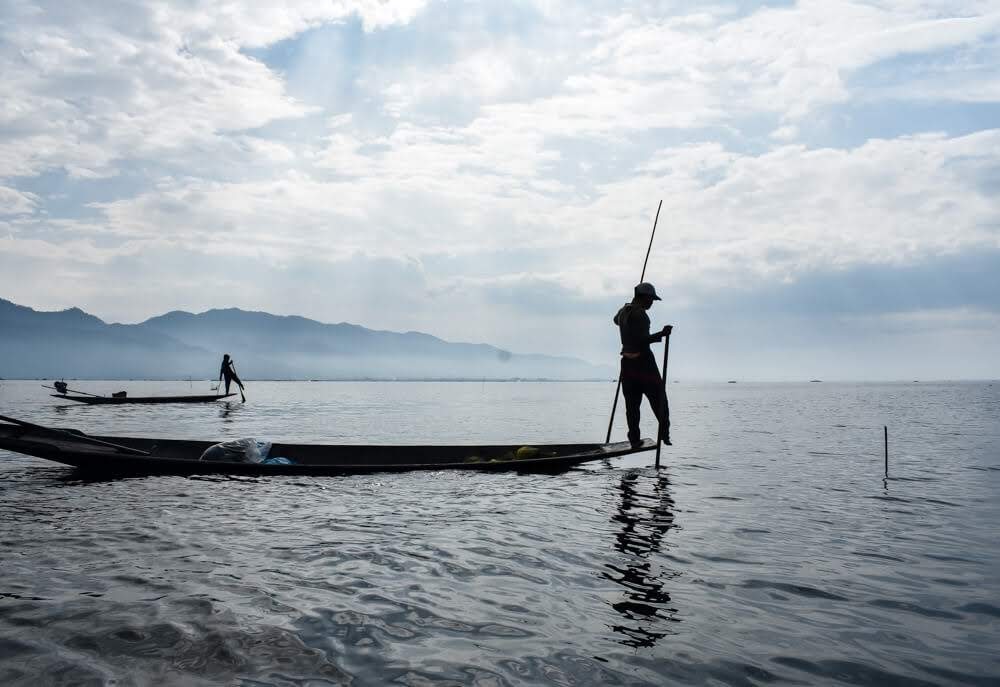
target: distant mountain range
178 345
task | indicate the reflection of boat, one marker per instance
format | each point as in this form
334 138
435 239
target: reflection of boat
645 517
132 455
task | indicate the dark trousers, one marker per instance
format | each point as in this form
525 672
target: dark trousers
233 378
641 377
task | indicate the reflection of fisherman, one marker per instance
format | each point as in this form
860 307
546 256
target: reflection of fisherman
646 516
639 374
228 372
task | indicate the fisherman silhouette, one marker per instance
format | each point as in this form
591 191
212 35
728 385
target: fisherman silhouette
639 374
228 372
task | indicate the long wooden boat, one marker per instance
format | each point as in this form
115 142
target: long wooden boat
136 455
112 400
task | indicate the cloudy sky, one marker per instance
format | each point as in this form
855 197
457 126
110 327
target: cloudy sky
830 172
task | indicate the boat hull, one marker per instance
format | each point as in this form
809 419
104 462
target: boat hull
109 400
180 457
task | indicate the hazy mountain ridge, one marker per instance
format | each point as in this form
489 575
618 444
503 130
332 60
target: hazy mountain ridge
179 344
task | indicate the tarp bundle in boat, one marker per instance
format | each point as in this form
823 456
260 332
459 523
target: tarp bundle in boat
238 451
243 451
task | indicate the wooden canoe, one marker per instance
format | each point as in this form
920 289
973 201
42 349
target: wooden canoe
99 400
136 455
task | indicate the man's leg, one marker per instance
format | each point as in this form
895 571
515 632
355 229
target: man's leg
227 384
653 390
632 391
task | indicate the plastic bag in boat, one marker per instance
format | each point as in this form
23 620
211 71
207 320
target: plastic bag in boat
278 460
238 451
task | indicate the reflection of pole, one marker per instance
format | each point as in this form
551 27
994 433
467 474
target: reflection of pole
642 278
664 405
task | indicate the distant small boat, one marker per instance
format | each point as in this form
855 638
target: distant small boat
731 381
815 380
121 397
120 400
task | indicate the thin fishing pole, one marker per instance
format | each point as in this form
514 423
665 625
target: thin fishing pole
645 262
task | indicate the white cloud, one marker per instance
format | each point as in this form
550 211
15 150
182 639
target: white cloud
86 87
793 209
14 202
788 61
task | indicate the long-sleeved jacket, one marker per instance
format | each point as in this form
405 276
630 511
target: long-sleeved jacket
633 325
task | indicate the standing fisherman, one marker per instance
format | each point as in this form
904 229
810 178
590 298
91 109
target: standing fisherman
639 374
228 371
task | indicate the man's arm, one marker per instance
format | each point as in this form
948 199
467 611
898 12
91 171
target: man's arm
656 336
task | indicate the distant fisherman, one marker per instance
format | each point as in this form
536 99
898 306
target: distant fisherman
228 372
639 373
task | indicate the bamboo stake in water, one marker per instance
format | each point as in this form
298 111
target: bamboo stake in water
885 429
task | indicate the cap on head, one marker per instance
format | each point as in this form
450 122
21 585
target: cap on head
646 289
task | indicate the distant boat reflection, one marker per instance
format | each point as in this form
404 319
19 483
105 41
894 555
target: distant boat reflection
646 515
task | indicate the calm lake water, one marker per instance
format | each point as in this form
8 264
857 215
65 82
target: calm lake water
767 550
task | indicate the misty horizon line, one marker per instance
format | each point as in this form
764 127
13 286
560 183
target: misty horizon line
587 370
